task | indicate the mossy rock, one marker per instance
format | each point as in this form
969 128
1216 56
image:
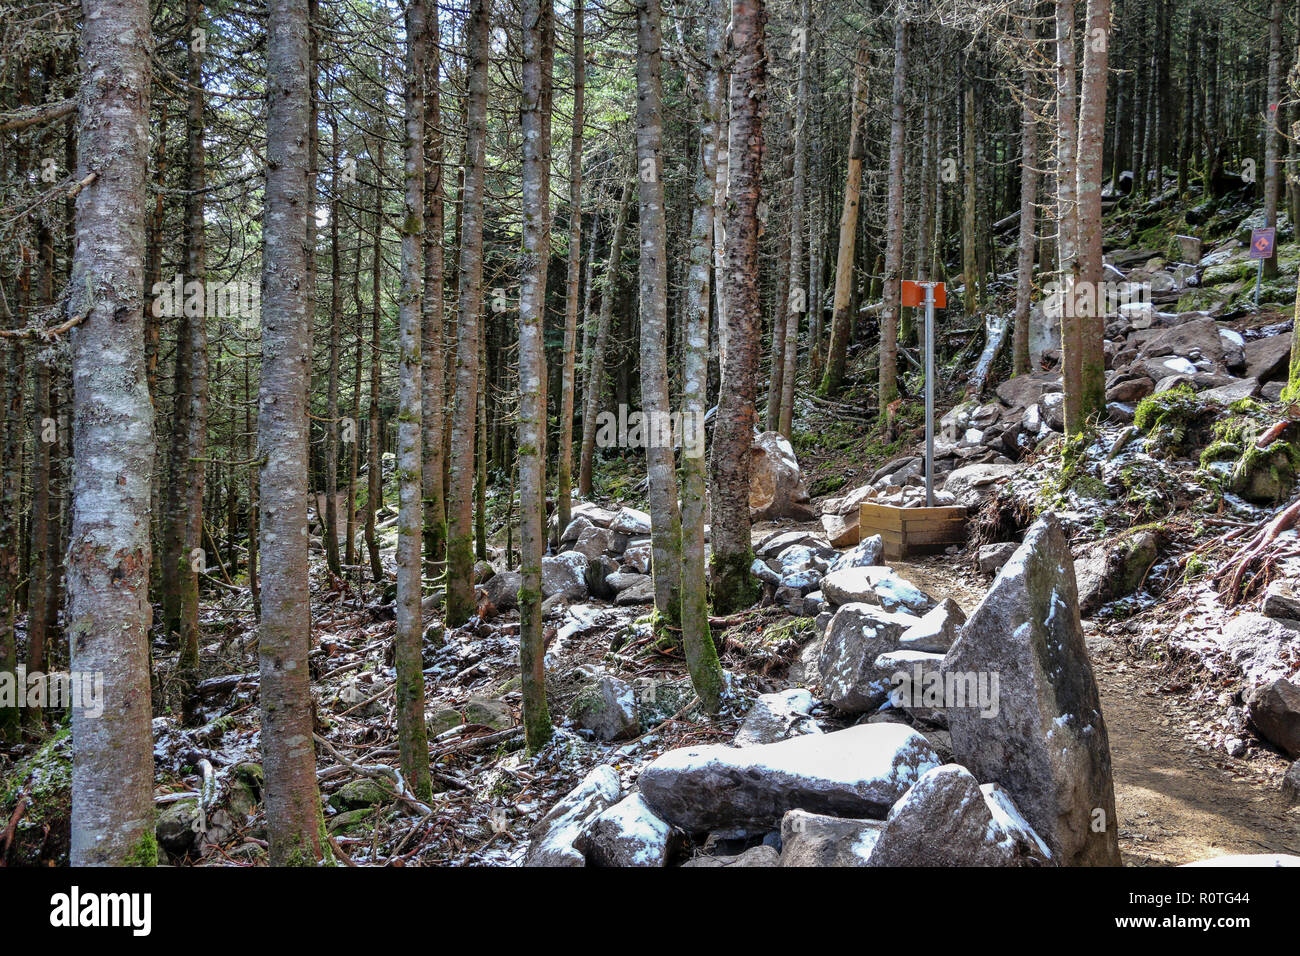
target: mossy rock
490 713
1175 421
1266 476
350 820
246 787
442 721
359 794
175 826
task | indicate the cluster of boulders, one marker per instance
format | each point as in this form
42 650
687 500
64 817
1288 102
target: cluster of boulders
973 742
606 554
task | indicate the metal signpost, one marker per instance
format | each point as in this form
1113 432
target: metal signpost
1261 248
929 294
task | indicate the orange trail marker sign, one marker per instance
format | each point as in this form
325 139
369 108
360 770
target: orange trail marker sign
914 293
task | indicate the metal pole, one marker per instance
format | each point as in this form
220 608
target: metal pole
929 395
1259 277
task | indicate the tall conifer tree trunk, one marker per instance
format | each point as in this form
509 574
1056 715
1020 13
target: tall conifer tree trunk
665 519
841 315
409 692
797 304
894 226
460 490
113 443
1092 137
538 20
568 385
432 353
293 811
733 584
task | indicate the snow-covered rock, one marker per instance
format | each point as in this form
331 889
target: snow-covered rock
814 839
863 555
856 636
875 585
1044 738
554 836
937 629
777 716
860 771
628 834
948 819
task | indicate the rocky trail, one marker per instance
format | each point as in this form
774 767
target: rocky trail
1178 799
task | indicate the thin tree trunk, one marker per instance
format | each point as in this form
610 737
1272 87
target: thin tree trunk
665 519
798 297
460 491
596 371
894 228
1067 215
841 318
1092 137
697 642
568 385
971 277
331 516
1272 112
733 584
432 352
374 433
293 811
538 26
1029 177
409 690
113 445
192 466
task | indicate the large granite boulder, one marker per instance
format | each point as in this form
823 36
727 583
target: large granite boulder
857 635
857 772
814 839
776 485
948 819
627 834
1045 742
556 835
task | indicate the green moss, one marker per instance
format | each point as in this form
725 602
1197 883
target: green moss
1173 420
145 850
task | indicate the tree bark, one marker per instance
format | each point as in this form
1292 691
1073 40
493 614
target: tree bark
409 691
113 444
733 584
293 812
697 642
665 519
1029 178
432 352
596 371
798 297
1092 138
1272 112
841 317
191 466
894 228
538 25
1067 216
460 491
568 385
